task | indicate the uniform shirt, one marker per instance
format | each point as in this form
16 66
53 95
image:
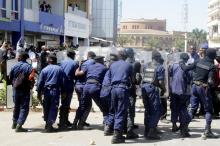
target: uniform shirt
69 67
96 71
205 69
50 75
20 67
160 72
121 73
83 67
179 78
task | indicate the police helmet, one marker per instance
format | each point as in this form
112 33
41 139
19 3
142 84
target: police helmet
129 52
184 56
211 53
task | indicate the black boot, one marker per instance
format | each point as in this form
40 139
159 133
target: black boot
175 128
208 133
118 137
49 128
184 132
108 130
86 124
19 128
152 134
131 135
81 126
62 124
14 124
146 131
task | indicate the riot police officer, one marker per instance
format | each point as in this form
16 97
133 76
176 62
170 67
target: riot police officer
153 80
21 91
80 82
94 76
121 75
202 82
51 84
180 81
132 98
105 96
69 67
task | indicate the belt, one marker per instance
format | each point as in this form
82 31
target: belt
51 86
121 85
199 83
92 81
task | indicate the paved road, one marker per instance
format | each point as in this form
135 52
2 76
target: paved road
83 138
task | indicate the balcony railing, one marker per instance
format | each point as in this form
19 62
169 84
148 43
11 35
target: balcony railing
14 15
76 11
2 13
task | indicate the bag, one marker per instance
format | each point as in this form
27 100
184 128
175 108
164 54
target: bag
19 81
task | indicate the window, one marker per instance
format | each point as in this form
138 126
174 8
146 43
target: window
14 5
2 8
28 4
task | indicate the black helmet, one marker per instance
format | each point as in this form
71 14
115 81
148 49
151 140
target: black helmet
211 53
129 52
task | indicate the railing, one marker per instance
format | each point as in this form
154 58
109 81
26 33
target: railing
2 13
76 11
14 15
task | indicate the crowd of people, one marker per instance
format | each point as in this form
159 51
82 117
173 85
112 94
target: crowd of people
112 86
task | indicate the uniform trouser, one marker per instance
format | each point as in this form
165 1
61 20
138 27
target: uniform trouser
91 91
164 105
173 108
152 105
216 102
79 92
195 102
131 112
179 109
21 106
119 100
204 95
51 104
106 102
65 103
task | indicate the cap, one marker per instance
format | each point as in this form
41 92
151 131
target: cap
204 46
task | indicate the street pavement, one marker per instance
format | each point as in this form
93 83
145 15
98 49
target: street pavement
35 137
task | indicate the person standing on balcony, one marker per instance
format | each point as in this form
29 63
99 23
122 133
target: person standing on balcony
43 6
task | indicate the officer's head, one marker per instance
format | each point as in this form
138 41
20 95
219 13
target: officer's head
203 48
184 57
99 59
129 52
71 54
22 55
52 59
156 56
211 53
122 55
91 55
192 49
44 48
218 56
113 57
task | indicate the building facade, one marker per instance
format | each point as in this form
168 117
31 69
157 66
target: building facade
52 24
105 19
147 34
214 23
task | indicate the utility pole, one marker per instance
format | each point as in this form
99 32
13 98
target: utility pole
185 22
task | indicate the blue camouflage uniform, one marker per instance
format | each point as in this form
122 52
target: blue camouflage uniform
105 96
204 69
121 75
80 83
180 94
21 96
69 67
94 76
51 82
151 98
